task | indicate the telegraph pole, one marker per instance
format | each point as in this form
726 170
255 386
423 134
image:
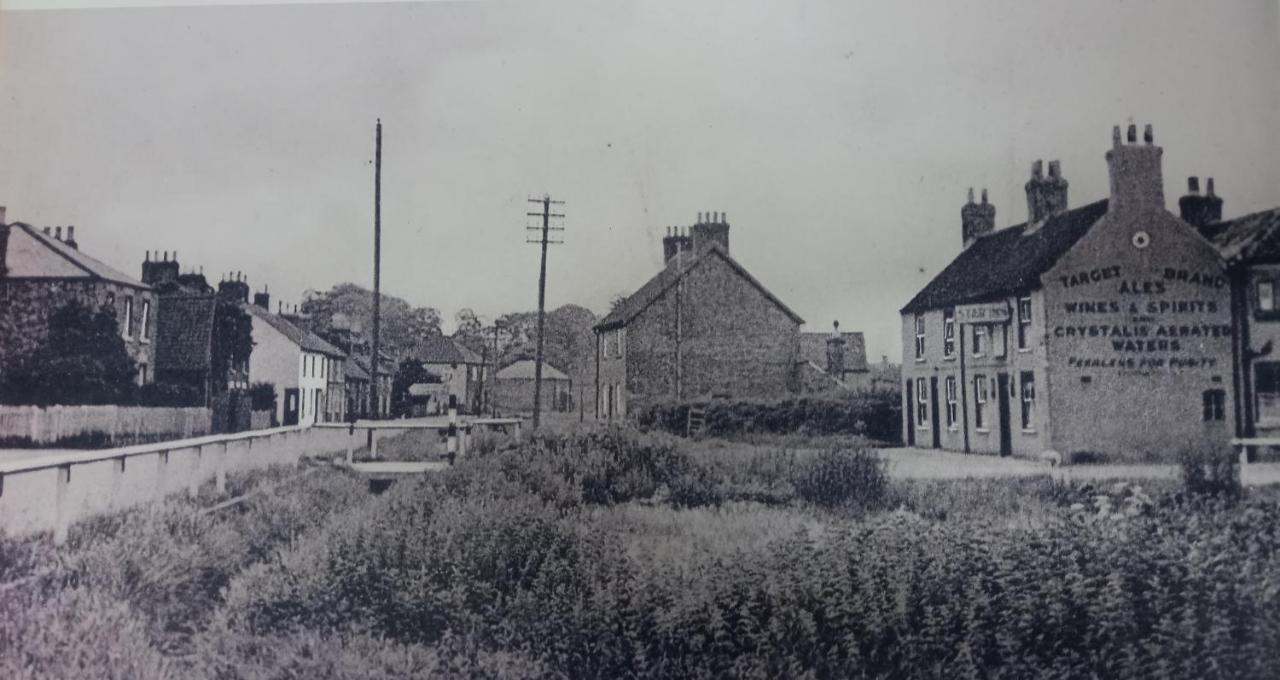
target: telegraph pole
546 216
375 360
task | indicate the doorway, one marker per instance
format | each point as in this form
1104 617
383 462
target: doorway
290 407
1006 430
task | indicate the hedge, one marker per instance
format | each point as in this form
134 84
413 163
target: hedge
876 415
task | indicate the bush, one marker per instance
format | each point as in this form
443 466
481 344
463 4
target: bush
877 415
841 478
262 396
1215 473
169 395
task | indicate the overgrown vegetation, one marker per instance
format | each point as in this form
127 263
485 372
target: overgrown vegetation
875 415
611 553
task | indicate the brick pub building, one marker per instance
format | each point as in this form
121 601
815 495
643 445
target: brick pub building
701 327
1106 328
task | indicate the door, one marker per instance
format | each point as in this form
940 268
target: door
909 411
933 412
1006 431
291 407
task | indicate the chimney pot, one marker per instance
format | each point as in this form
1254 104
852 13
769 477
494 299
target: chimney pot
1 214
1115 136
1055 169
71 236
1193 185
984 196
1209 187
1133 133
57 233
970 195
699 218
148 258
1037 169
1147 135
48 231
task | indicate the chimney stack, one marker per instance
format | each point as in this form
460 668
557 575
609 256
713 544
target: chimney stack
835 352
263 299
707 233
157 272
976 219
1046 196
71 237
1137 182
1197 210
674 242
57 233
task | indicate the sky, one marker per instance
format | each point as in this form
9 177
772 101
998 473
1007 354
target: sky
838 137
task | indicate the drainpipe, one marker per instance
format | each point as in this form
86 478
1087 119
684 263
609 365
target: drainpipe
964 390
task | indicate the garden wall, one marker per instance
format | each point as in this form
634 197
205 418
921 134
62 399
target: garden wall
111 425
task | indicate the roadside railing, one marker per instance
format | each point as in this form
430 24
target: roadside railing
50 492
456 431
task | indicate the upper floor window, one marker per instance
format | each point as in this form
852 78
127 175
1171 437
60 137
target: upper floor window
979 339
1024 322
981 392
949 333
127 326
1266 296
919 336
1000 340
144 331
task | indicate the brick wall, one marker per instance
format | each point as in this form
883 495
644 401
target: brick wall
734 341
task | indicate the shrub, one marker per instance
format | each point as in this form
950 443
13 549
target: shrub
877 415
262 396
1214 473
839 478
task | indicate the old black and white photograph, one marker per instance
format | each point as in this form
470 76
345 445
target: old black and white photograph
648 339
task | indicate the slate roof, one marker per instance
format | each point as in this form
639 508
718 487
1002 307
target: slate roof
523 370
813 348
307 340
637 302
92 268
354 371
184 333
1007 261
1251 238
441 349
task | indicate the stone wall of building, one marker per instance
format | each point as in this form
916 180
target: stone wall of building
27 304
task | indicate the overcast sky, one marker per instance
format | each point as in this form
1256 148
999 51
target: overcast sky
839 137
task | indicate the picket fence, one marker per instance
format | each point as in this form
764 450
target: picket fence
43 426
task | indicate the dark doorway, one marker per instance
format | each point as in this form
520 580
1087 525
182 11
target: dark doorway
933 412
1006 431
291 407
909 413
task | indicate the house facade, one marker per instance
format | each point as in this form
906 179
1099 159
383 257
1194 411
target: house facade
41 270
513 388
307 371
1102 329
459 369
702 327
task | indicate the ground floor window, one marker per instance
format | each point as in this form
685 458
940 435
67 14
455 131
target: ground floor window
1215 404
1027 385
922 403
951 401
980 393
1266 391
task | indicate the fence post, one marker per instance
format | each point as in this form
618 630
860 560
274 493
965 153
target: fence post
351 444
193 482
162 474
220 471
117 482
62 510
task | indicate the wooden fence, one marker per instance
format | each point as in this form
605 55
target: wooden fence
117 425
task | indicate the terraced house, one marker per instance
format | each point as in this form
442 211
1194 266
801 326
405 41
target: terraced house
41 270
1110 328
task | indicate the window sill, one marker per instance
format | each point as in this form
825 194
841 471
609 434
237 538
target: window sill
1024 350
919 360
1030 431
951 357
981 430
953 428
922 427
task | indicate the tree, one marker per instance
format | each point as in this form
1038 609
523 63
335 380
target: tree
403 326
411 372
232 338
83 361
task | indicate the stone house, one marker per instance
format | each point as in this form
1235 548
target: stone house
702 327
41 270
1105 328
458 367
835 360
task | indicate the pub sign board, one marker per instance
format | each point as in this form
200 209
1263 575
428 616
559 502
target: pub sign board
991 312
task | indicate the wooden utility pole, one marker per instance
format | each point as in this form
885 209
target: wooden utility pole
375 360
546 216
